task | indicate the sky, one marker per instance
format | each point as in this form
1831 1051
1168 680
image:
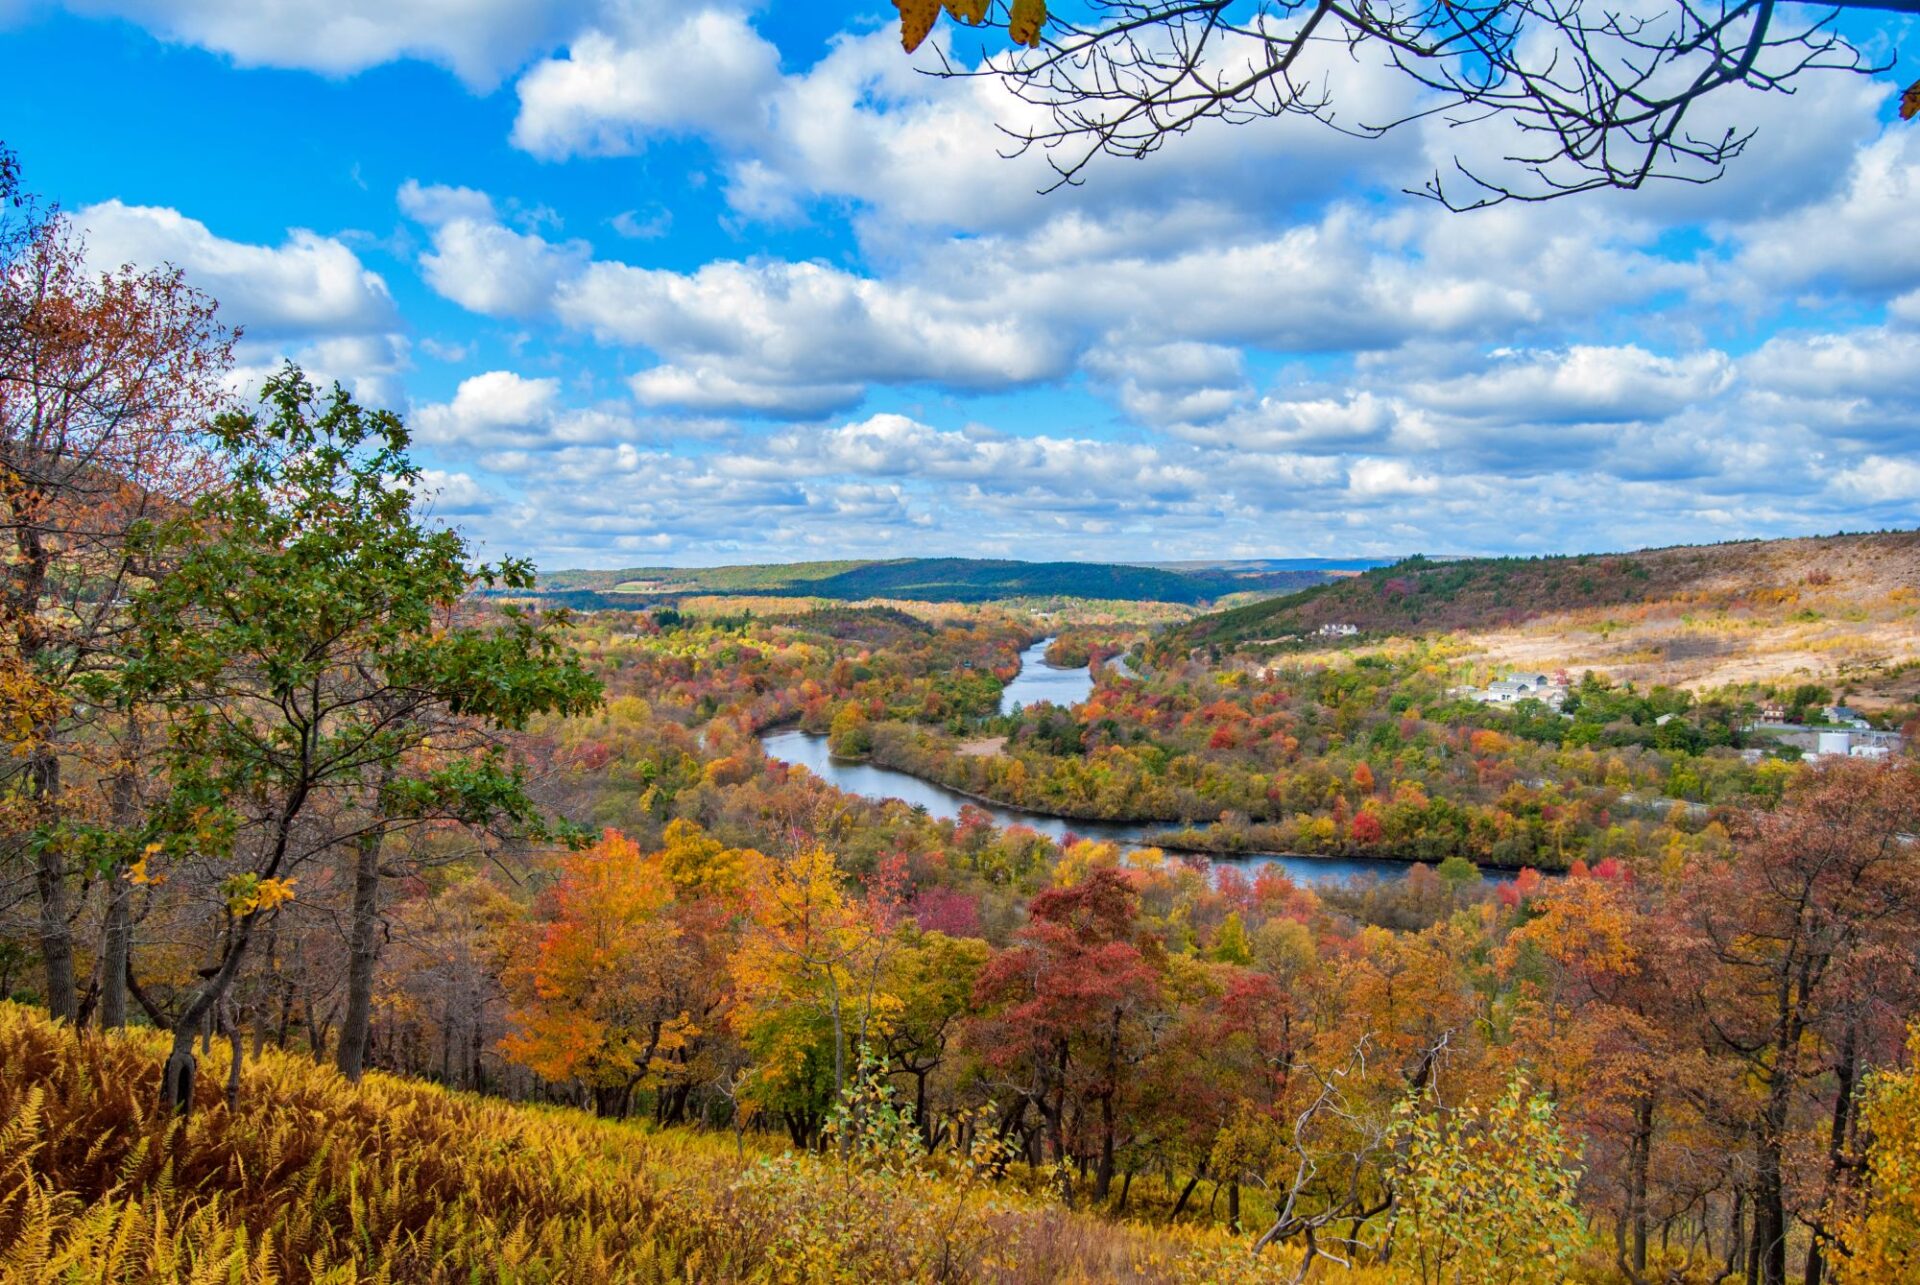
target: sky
706 283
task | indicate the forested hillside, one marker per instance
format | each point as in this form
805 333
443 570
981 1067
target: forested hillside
942 580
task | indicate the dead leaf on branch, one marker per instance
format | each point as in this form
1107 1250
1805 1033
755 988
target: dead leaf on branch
1025 21
1025 18
1910 102
916 20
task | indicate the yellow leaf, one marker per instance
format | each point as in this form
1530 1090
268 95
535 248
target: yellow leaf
972 12
1025 20
916 20
1910 102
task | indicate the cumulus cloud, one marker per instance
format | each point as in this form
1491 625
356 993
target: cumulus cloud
481 264
1855 240
708 71
309 284
478 40
308 300
1879 479
1582 384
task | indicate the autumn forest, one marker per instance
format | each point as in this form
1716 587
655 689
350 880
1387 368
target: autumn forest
367 912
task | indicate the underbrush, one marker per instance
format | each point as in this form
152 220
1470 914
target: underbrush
313 1179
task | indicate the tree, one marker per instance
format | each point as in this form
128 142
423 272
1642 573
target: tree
1066 1008
1878 1230
1584 97
1485 1193
810 963
604 983
1809 934
106 383
303 640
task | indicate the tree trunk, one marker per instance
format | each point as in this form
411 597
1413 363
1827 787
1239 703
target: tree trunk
116 932
1641 1158
235 1043
176 1081
50 881
1846 1073
1103 1174
1186 1194
363 945
1769 1191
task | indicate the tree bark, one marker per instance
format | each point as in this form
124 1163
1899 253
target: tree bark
363 946
116 949
1641 1158
1186 1194
1847 1072
50 882
116 931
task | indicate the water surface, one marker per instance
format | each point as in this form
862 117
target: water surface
1038 681
873 782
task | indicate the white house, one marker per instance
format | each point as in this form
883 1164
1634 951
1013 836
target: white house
1514 688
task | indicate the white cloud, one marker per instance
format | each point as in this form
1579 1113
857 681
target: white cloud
481 264
704 389
309 284
709 72
1373 478
1878 479
478 40
455 494
490 408
810 324
1582 384
1859 239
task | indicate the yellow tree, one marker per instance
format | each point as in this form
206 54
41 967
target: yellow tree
809 966
1879 1237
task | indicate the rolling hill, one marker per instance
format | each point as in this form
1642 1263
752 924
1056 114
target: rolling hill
1420 595
933 580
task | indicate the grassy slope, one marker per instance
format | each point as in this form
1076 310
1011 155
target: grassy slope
1485 593
311 1179
942 580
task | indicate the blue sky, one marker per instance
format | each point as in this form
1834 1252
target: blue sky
706 283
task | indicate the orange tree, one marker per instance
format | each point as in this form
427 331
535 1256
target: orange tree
606 984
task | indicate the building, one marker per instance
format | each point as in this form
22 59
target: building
1773 712
1841 716
1514 688
1337 631
1857 743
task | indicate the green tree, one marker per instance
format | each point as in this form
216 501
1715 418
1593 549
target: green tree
305 644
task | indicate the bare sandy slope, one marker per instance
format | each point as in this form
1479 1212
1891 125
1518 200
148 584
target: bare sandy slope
1842 611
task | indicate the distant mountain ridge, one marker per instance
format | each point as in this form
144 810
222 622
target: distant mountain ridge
1419 595
940 580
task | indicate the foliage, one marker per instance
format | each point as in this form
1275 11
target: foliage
1490 1191
315 1180
1880 1235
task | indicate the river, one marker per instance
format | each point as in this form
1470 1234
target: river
871 781
1038 681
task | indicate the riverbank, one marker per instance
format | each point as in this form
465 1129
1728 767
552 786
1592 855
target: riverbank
879 783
